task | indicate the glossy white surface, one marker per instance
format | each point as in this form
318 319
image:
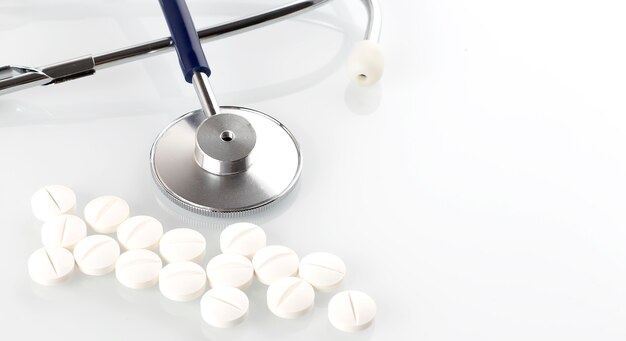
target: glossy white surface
482 180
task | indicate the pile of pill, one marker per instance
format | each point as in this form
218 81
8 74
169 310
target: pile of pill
292 282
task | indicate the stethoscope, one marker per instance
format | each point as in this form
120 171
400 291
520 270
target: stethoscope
217 161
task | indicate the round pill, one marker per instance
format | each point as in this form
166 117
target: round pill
290 297
64 231
182 244
182 281
52 201
242 239
50 265
96 255
324 271
224 307
140 232
105 214
351 311
138 269
274 262
230 271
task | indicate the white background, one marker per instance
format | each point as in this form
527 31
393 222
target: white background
477 193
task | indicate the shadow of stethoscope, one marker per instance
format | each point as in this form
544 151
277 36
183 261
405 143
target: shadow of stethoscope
18 112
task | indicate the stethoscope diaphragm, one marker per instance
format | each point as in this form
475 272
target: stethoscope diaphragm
270 170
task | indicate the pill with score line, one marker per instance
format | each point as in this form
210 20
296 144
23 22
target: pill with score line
50 265
182 281
230 271
274 262
140 232
96 254
242 239
324 271
182 244
64 231
224 307
52 201
290 297
105 214
138 269
351 311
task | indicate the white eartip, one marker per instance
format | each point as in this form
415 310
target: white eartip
366 63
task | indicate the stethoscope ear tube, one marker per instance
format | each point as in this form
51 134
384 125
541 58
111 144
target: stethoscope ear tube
185 38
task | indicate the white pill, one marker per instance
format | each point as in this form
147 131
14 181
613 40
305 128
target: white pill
182 244
274 262
351 311
140 232
52 201
290 297
138 268
182 281
96 255
224 307
105 214
230 271
64 231
50 265
242 239
324 271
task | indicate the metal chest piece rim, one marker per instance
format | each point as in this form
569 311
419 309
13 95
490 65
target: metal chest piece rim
231 164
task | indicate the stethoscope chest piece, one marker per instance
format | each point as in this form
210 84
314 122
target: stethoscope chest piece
228 164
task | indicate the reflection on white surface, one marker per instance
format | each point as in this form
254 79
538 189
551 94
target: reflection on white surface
363 100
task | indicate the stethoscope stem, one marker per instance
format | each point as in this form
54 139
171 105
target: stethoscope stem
205 93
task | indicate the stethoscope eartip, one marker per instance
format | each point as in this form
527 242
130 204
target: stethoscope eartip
366 63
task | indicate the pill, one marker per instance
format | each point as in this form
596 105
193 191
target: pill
182 281
242 239
140 232
52 201
224 307
324 271
290 297
182 244
138 268
104 214
351 311
96 255
230 271
50 265
274 262
64 231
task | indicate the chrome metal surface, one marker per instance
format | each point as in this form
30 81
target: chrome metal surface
14 78
221 31
274 173
10 71
35 76
205 93
375 20
225 144
70 69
